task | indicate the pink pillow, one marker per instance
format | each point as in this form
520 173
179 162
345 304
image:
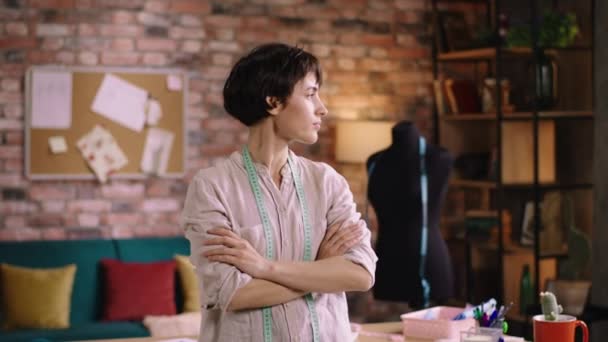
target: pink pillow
134 290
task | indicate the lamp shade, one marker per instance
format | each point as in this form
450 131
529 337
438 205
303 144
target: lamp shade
357 140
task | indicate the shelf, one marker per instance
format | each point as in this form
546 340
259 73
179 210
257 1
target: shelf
466 183
489 53
544 115
491 185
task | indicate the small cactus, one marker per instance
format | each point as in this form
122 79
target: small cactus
549 305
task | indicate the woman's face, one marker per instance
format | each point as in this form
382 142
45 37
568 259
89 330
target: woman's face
299 119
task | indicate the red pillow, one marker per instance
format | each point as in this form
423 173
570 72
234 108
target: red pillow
134 290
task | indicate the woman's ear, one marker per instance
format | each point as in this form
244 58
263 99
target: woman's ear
274 104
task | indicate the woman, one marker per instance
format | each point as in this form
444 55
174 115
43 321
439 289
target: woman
275 238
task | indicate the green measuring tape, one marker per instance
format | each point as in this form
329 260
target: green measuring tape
255 187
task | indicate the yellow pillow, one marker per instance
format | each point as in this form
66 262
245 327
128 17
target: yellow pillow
189 283
36 298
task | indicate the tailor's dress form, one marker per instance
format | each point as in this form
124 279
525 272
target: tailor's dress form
394 192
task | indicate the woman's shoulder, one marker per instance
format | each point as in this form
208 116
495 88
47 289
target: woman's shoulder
221 172
319 170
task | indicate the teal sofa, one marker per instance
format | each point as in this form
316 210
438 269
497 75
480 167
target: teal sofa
86 304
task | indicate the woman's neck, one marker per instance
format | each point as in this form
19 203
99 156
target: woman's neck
267 148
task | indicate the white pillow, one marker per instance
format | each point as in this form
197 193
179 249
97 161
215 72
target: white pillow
184 324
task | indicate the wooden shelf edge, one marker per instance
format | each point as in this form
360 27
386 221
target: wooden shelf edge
488 53
557 114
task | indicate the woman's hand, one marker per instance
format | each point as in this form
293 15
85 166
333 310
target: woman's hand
337 242
236 251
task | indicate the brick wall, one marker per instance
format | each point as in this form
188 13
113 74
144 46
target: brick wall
375 54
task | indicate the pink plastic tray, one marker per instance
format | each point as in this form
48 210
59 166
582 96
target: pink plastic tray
435 324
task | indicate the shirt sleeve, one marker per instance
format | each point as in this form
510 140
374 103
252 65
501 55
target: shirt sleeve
343 210
203 210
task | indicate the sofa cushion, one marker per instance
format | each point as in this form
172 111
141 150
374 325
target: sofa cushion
35 297
188 284
88 331
136 289
86 301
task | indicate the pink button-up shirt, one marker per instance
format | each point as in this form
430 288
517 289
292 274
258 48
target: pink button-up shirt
221 196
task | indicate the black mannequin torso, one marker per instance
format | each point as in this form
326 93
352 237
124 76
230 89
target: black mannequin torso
394 191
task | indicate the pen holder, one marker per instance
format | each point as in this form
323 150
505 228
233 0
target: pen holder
481 334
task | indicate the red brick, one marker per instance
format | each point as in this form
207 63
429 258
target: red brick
13 110
122 219
53 206
41 57
66 57
226 34
197 112
55 4
349 38
88 220
156 44
10 125
122 44
194 98
14 138
15 221
191 46
411 53
16 207
258 36
53 233
17 43
13 165
120 30
10 151
53 30
154 58
223 59
158 6
210 150
190 6
88 58
39 191
21 234
410 5
120 58
216 72
122 4
223 21
122 190
189 20
159 230
11 179
177 32
123 17
87 30
161 205
159 188
378 39
16 29
52 43
376 64
46 220
92 205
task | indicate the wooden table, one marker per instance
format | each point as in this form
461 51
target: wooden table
367 334
389 327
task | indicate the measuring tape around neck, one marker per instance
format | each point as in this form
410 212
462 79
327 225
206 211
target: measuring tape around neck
255 187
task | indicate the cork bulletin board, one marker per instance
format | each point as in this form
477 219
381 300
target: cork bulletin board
42 163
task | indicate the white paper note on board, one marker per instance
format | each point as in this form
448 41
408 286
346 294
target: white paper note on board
157 150
51 99
121 102
174 82
102 153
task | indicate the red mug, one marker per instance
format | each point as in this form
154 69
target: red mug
561 330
